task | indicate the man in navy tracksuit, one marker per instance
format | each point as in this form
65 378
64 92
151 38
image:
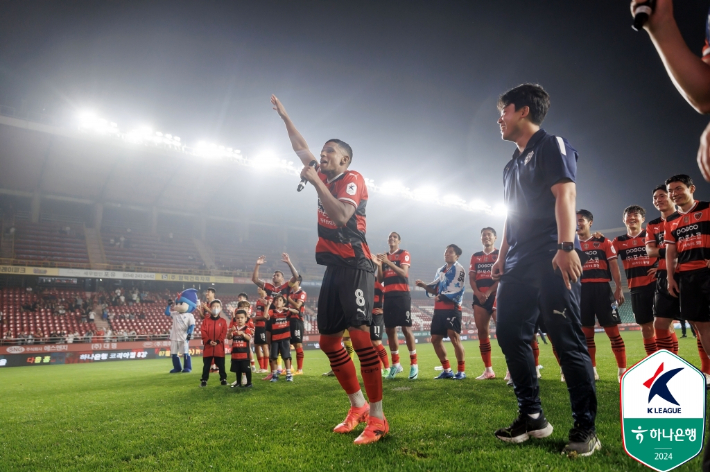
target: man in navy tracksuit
539 268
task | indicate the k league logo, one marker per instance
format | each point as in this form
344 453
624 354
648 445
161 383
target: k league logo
663 411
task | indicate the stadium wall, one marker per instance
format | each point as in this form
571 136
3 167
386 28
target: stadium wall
84 353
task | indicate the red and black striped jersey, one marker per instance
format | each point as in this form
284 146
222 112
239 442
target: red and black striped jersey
299 296
346 245
599 251
280 326
690 232
655 233
259 311
379 296
272 291
240 345
480 269
635 259
394 283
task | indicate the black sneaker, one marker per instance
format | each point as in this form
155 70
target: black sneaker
524 427
203 383
248 386
223 382
581 443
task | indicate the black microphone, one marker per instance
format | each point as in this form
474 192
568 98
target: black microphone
303 183
641 14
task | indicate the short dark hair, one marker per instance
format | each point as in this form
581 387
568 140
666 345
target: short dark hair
243 295
278 272
283 299
682 178
211 289
216 300
242 312
586 214
635 209
532 96
660 187
457 250
242 304
396 233
345 147
488 228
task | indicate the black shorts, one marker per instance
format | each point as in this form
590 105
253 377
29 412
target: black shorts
597 299
488 305
695 295
345 300
642 303
268 325
664 304
377 327
296 327
445 320
239 365
397 310
260 336
282 347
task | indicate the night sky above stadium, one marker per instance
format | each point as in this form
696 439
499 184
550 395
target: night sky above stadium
412 86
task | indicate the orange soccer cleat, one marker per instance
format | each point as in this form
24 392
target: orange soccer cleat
354 418
376 428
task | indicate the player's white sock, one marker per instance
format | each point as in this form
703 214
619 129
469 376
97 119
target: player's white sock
288 371
448 370
534 415
357 399
376 410
411 353
489 369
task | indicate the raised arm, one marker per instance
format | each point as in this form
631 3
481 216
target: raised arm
294 272
255 276
689 73
298 143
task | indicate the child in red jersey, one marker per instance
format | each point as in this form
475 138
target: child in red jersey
261 344
243 304
240 333
280 337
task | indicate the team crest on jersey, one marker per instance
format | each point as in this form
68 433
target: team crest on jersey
698 215
597 244
351 189
528 157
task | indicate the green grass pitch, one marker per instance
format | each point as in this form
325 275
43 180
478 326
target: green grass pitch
135 416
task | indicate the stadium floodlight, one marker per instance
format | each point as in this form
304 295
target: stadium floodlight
453 200
90 123
479 205
393 187
425 194
500 210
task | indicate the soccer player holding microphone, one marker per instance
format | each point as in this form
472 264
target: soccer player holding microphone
347 292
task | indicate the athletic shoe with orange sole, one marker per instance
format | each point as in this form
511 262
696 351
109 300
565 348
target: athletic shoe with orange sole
376 428
486 375
354 418
298 372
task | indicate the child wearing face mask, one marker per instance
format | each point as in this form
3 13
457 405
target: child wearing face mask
214 332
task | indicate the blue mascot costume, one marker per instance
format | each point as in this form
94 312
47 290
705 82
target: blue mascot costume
183 326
